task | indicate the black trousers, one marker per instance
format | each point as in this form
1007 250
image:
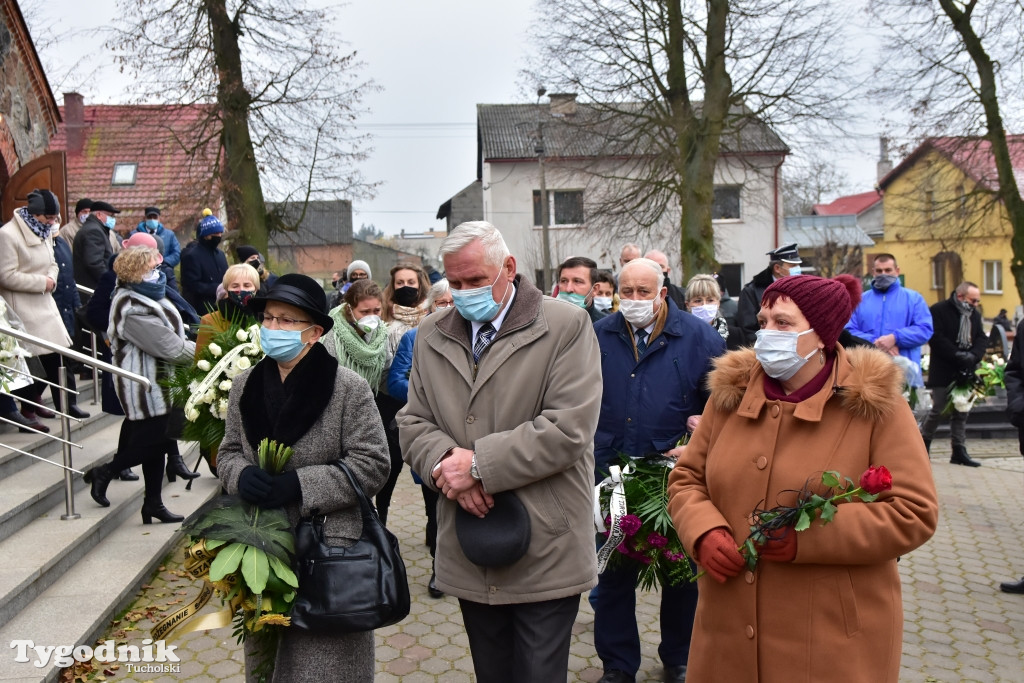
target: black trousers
523 642
51 365
144 442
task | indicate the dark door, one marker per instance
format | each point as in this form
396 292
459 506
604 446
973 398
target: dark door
45 172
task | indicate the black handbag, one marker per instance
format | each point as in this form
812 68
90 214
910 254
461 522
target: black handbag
357 588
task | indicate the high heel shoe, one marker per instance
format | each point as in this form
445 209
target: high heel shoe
151 509
176 467
99 477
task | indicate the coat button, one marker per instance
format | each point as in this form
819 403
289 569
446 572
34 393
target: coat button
470 420
749 577
750 631
762 462
629 419
494 589
775 410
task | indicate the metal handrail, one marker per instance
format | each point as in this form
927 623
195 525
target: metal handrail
65 418
74 355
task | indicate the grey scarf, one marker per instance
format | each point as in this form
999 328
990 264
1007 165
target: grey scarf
963 335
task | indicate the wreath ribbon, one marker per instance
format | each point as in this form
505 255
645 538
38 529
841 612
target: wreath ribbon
197 565
616 509
214 375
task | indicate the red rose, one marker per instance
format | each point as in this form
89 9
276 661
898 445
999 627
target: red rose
876 479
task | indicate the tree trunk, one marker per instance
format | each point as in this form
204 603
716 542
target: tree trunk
243 193
1009 193
697 135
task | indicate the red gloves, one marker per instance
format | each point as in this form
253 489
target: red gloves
716 552
780 546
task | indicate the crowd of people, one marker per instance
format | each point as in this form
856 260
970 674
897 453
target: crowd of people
508 405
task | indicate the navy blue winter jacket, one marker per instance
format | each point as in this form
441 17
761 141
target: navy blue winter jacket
65 293
645 403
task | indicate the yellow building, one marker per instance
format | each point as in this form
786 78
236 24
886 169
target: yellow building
943 224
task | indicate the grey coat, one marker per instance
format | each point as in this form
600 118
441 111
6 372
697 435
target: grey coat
349 427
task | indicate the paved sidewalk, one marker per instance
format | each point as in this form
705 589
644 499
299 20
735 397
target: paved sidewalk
959 626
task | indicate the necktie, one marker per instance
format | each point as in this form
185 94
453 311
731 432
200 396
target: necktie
483 338
641 342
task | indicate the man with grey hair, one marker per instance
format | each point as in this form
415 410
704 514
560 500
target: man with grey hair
500 420
654 360
957 346
629 252
675 292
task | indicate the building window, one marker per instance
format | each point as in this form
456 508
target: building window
726 203
565 207
992 282
939 274
124 174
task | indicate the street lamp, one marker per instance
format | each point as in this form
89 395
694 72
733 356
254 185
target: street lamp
539 149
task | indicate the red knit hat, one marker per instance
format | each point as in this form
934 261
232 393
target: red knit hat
827 304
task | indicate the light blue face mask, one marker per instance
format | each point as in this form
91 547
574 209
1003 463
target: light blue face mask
796 270
152 224
110 222
282 345
573 298
478 304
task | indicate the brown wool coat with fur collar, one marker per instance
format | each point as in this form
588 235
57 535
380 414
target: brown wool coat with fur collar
835 613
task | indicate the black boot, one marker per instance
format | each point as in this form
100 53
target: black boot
960 457
127 475
99 477
1012 586
76 412
155 508
176 467
928 446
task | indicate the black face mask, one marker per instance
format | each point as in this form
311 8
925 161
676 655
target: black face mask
241 297
406 296
667 281
214 241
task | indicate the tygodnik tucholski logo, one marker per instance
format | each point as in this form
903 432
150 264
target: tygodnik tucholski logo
151 657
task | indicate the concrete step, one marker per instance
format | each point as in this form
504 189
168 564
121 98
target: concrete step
81 573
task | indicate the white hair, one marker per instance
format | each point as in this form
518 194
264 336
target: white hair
495 249
437 290
646 263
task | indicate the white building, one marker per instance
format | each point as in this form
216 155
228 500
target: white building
747 209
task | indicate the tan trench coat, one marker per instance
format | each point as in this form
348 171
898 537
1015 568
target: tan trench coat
25 263
835 613
530 414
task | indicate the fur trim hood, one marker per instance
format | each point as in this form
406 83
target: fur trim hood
867 381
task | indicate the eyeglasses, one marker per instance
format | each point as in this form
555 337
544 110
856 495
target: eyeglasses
443 304
281 320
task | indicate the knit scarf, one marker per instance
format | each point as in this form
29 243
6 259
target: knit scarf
963 335
367 358
410 315
40 230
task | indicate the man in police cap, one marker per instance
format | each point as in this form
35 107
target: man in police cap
785 261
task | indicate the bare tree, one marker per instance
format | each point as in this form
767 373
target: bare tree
812 182
959 65
677 82
283 92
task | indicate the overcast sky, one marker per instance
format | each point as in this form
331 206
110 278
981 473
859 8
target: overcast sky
434 62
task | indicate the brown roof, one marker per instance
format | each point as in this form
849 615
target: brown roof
174 149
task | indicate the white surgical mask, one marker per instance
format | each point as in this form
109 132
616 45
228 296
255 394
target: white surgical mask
638 312
707 312
776 351
368 323
603 303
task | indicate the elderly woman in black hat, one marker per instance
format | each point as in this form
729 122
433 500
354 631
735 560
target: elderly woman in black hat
300 397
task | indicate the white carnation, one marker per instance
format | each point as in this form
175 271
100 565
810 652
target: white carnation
223 408
192 415
203 365
192 386
225 385
243 363
241 336
210 396
215 350
231 371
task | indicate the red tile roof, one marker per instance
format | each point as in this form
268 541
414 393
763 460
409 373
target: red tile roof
851 203
155 137
971 155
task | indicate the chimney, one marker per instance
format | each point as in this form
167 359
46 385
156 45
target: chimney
884 165
74 122
563 104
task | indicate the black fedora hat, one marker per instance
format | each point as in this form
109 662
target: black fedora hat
301 291
499 538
